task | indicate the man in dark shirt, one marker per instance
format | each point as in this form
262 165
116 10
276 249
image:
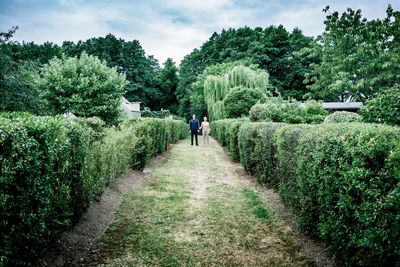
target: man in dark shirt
194 125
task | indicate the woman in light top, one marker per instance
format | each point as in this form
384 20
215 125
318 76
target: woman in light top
205 127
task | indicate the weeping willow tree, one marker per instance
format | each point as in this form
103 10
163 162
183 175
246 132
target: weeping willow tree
216 88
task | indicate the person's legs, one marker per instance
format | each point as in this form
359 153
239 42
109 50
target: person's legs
192 133
207 137
195 135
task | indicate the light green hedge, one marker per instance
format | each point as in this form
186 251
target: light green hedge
52 168
341 180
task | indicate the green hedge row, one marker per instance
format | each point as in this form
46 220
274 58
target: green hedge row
342 181
52 168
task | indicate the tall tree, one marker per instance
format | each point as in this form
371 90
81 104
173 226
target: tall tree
84 86
358 57
168 79
18 89
272 49
129 58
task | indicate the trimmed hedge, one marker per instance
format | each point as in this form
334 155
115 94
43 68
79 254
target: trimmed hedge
156 113
226 132
384 107
278 110
53 167
343 116
341 180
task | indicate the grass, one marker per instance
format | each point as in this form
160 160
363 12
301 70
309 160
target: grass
191 214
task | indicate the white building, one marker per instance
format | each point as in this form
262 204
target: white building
130 109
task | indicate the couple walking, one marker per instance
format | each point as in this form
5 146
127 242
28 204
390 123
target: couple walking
195 127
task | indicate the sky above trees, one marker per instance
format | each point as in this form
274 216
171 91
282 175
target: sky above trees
170 28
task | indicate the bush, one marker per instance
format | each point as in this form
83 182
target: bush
226 132
278 110
53 167
383 108
84 86
156 114
287 143
247 140
342 116
239 100
261 112
314 112
341 181
265 153
354 199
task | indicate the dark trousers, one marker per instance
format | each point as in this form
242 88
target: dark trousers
194 133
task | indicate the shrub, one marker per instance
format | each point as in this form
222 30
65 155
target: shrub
352 198
342 116
53 167
341 181
260 112
156 114
239 101
247 140
265 153
383 108
84 86
278 110
226 132
287 144
314 112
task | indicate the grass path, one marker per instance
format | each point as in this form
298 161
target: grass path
197 209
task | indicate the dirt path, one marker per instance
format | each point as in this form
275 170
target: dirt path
201 209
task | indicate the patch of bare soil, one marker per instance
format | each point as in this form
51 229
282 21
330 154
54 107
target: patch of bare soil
74 245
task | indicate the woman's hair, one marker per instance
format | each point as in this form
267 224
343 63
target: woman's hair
205 117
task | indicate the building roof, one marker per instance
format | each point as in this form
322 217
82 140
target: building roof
339 105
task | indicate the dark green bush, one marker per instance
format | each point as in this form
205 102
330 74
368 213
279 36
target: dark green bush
239 100
247 141
53 167
314 112
342 116
278 110
161 114
383 108
350 202
341 180
287 144
226 132
265 153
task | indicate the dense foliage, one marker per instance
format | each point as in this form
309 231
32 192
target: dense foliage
52 168
128 57
198 104
383 108
272 49
241 86
278 110
358 57
84 86
239 101
156 114
341 181
343 116
168 82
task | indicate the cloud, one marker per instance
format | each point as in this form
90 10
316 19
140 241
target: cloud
165 29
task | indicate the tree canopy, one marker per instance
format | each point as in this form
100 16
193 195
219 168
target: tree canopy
271 49
84 86
358 57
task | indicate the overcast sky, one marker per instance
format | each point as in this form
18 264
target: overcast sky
170 28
